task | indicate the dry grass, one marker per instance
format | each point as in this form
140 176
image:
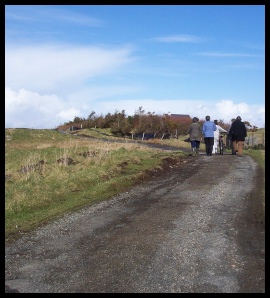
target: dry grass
46 177
48 173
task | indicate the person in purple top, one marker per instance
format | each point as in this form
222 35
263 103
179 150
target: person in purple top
208 132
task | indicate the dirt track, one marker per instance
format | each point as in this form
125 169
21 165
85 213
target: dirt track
196 227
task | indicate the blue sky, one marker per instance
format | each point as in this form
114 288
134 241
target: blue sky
63 61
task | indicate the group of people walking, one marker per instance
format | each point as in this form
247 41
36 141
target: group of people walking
210 131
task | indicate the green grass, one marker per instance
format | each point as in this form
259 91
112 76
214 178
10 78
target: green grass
259 157
74 173
99 133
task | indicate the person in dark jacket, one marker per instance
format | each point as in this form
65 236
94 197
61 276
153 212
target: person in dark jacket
230 139
238 133
195 136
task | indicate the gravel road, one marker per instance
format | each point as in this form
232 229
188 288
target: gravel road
196 227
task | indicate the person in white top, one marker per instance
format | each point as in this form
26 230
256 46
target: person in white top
216 137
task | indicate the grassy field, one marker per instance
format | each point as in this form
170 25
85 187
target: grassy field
259 157
48 173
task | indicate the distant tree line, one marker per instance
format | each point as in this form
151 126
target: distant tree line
140 123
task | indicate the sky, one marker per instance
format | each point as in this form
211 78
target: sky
67 61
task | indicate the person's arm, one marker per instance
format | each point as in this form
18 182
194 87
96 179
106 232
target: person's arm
230 130
245 129
188 130
200 130
222 129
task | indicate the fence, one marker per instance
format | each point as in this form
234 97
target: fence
255 139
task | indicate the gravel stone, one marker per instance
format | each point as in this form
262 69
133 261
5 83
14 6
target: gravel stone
195 227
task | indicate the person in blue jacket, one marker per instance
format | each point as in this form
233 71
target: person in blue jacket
208 132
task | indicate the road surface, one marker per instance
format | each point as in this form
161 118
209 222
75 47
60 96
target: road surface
195 227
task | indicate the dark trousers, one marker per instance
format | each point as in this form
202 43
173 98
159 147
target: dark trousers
209 142
231 146
195 144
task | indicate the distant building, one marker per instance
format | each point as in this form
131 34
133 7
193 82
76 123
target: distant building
179 117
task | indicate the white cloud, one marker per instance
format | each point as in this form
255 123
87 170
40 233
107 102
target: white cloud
60 69
32 110
219 109
49 85
178 38
69 114
52 15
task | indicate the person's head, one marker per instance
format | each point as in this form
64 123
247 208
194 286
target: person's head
216 122
238 118
195 119
233 119
207 118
